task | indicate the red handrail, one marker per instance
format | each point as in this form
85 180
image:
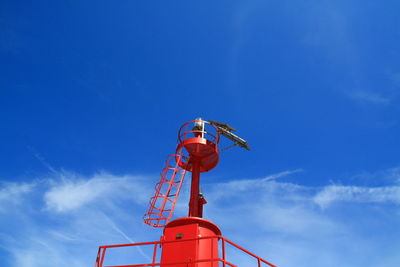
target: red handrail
102 252
184 131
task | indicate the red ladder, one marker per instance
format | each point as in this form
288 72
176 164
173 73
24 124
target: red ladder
163 202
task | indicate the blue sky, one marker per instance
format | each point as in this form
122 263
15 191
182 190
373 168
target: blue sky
92 94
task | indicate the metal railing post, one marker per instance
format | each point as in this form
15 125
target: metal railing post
102 257
223 252
154 253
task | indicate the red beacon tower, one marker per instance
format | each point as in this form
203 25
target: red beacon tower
189 241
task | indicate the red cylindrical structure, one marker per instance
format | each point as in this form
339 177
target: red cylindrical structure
198 149
198 145
190 241
194 209
192 250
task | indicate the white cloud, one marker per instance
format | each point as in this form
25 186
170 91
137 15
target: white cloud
11 193
71 195
338 193
269 217
64 218
276 219
235 187
74 192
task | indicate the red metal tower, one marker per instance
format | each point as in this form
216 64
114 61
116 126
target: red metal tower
189 241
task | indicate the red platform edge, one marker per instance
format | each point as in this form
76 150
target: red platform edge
224 241
186 233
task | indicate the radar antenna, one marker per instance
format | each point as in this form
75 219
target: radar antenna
226 130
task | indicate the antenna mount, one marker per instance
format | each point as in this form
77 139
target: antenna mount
226 130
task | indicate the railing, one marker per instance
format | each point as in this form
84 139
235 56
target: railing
198 128
158 244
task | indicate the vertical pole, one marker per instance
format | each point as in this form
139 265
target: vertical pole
102 257
154 253
98 258
195 189
223 251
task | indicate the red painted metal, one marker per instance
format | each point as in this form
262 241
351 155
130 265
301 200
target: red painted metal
194 210
162 204
198 141
190 228
197 152
198 145
190 241
222 242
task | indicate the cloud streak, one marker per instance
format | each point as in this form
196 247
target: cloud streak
370 97
61 220
13 193
277 219
336 193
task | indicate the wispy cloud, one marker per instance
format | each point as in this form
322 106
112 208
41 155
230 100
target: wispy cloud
73 193
270 217
370 97
281 174
337 193
12 193
61 220
236 186
280 219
